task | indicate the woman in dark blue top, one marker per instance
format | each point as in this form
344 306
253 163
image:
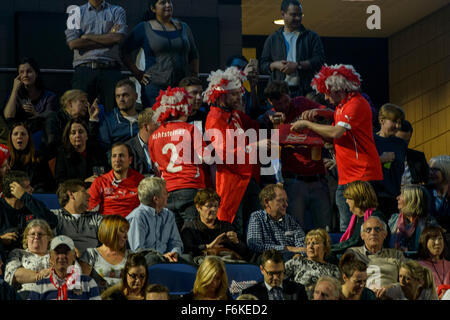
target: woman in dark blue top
169 47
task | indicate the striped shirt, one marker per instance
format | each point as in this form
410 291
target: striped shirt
265 233
45 290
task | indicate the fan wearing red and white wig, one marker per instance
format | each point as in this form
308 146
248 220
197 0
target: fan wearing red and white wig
176 151
222 82
352 132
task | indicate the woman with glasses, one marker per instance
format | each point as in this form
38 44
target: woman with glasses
105 263
354 276
407 225
134 280
207 234
26 266
307 270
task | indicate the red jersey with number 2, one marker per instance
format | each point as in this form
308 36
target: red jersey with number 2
176 149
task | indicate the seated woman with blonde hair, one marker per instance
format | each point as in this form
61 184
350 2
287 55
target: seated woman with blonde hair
211 282
407 225
26 266
415 283
307 271
105 263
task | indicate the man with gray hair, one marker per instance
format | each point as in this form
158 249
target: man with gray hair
383 264
152 226
327 288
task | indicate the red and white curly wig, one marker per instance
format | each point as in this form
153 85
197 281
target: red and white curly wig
171 104
220 82
338 77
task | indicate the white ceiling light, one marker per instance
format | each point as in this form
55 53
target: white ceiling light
279 22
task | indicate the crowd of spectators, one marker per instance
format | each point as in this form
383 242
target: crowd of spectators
140 184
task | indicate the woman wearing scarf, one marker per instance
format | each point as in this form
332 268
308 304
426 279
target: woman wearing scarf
407 225
362 201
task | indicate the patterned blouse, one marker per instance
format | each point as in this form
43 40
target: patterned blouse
307 272
19 258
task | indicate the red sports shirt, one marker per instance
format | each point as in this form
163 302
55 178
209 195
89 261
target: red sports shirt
168 146
115 198
356 155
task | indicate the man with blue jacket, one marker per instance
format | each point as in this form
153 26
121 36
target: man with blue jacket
120 124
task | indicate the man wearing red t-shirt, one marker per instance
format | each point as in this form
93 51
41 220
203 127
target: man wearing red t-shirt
352 132
232 180
176 149
303 174
115 192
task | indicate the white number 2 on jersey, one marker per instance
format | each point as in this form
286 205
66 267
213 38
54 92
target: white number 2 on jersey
173 158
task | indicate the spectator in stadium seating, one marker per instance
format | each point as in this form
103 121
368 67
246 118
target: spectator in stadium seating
327 288
307 271
362 201
95 43
236 184
74 104
193 87
170 50
439 190
115 192
7 292
134 282
407 225
17 207
121 123
106 262
352 131
30 102
272 228
432 252
392 152
74 220
416 166
142 162
176 153
78 155
415 283
62 274
157 291
354 276
30 264
24 157
152 225
303 172
4 163
207 233
383 264
275 286
293 53
211 282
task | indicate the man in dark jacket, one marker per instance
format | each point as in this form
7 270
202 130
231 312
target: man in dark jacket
416 166
275 287
293 53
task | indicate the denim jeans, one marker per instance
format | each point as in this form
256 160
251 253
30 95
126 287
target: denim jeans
344 210
313 197
181 202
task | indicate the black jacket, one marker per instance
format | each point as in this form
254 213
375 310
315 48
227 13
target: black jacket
309 47
72 165
139 160
418 166
291 291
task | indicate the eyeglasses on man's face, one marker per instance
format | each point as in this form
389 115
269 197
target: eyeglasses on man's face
376 229
274 273
36 235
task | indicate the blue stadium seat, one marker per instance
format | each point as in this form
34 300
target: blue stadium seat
242 276
50 199
178 277
335 237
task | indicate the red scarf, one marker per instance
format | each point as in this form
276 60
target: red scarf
70 281
352 223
